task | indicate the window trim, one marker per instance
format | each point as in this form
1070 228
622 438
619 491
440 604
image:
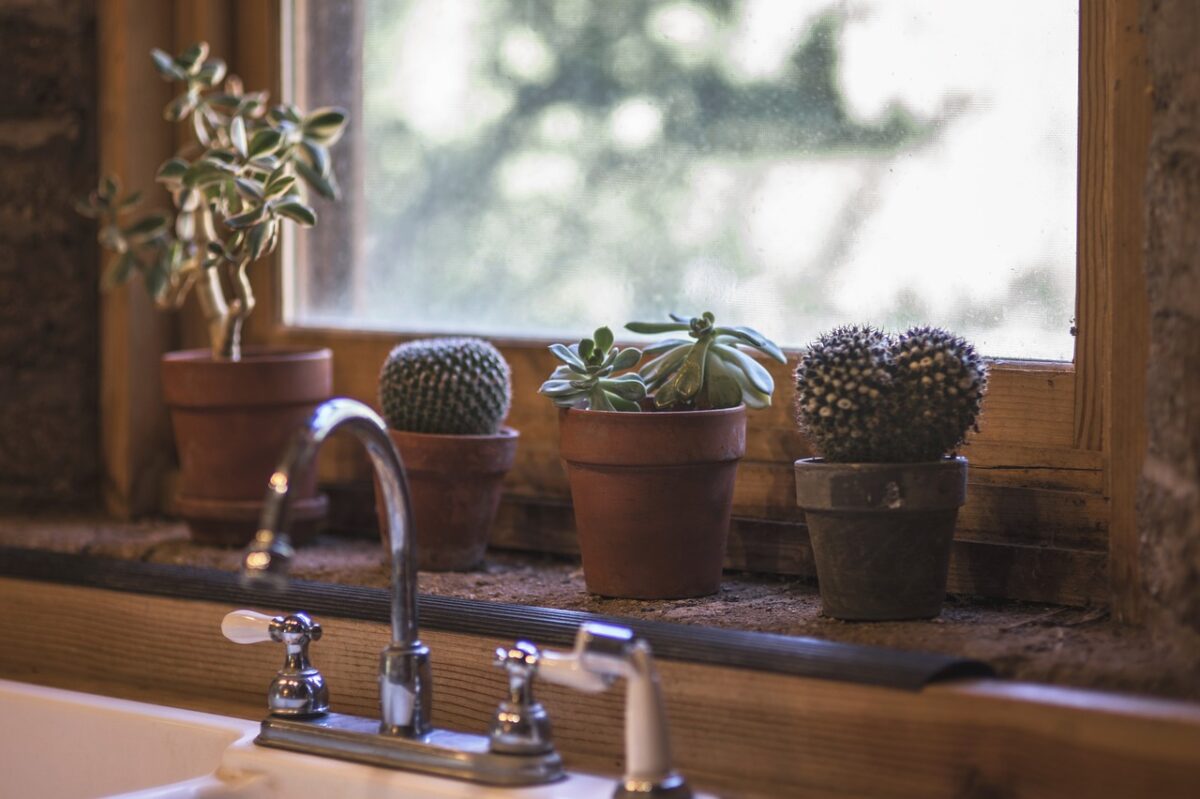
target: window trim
1060 436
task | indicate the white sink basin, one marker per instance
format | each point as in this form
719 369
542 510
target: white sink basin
67 745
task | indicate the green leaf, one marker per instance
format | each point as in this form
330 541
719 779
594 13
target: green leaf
119 272
286 111
563 353
315 156
656 371
279 186
325 186
172 170
264 142
604 339
109 187
325 125
181 106
689 378
297 211
755 372
250 189
619 403
258 239
166 65
656 327
557 388
585 348
628 389
627 359
191 58
721 389
237 134
599 400
246 219
212 72
750 336
146 228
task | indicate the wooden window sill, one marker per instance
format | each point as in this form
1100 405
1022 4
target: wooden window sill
1033 642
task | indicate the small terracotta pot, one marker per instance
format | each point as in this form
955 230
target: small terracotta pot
881 534
454 485
232 421
653 494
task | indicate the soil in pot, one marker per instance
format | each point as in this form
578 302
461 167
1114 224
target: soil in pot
232 421
454 486
653 494
881 534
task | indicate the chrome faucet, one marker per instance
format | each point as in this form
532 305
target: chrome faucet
404 736
519 749
405 685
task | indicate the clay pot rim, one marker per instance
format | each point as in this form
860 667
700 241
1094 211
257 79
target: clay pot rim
865 466
253 354
505 432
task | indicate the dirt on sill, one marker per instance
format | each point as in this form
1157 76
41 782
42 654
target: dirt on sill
1079 647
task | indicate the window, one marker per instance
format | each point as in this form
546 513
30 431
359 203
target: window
525 168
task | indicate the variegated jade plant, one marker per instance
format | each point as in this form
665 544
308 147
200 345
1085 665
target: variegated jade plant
708 370
232 189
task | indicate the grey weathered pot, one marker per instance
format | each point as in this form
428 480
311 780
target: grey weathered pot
881 534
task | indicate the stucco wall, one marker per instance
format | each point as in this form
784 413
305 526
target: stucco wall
48 262
1170 500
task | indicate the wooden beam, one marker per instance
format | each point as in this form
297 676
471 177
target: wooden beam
1128 138
135 439
737 732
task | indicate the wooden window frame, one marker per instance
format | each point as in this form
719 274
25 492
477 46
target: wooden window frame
1051 514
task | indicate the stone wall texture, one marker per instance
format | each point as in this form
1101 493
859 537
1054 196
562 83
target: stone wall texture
48 257
1170 499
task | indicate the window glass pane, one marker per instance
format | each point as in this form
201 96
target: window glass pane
539 167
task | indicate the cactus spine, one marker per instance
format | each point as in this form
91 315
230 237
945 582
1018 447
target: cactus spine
456 386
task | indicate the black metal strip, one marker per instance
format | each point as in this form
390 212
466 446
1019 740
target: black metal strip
780 654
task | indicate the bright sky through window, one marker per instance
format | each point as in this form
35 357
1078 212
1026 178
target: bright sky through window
537 168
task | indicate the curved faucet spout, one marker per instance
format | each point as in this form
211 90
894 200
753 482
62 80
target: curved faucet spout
405 688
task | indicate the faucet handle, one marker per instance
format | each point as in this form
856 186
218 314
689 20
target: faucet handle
521 725
298 688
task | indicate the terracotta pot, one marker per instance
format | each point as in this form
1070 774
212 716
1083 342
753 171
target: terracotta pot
652 493
881 534
454 484
232 421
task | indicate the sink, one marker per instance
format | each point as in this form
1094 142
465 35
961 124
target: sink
57 744
68 745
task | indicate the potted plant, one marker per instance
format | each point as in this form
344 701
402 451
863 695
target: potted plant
232 190
886 415
652 455
445 401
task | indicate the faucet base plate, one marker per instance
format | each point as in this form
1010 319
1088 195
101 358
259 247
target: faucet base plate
444 753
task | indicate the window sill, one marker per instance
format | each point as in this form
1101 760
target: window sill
1077 647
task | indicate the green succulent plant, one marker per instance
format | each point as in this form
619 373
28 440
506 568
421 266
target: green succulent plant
232 190
865 397
587 377
708 370
455 386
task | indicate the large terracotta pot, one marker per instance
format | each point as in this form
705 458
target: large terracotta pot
653 494
881 534
454 484
232 421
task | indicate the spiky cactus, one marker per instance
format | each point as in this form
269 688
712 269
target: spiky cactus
942 380
843 383
865 397
457 386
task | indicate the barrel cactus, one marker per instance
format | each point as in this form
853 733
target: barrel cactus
454 386
865 397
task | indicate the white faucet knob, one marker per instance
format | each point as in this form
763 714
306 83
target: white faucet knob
247 627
